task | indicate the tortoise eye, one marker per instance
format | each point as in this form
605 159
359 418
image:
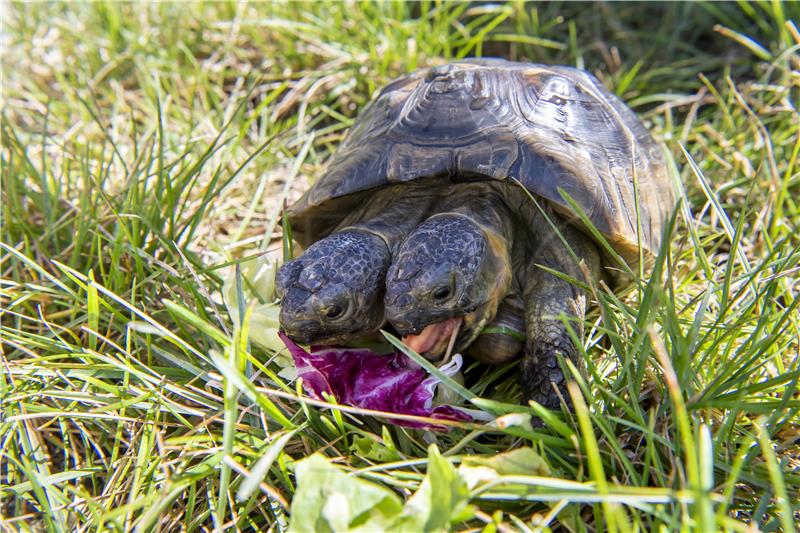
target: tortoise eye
334 312
442 293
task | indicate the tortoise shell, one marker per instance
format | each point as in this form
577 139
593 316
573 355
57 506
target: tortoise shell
548 127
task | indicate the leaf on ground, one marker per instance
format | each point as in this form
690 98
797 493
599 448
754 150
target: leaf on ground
477 469
441 500
522 461
371 448
327 499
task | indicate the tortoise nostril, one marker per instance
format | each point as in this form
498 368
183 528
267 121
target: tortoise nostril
402 326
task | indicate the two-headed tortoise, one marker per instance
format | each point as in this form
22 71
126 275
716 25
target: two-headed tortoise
451 192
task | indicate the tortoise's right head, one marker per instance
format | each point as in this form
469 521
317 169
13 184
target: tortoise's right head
334 291
449 273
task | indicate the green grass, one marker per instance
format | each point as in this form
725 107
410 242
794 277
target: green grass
146 149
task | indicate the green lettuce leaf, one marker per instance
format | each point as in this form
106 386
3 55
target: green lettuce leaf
329 500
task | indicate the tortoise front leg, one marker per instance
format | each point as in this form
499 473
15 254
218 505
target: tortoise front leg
504 341
547 298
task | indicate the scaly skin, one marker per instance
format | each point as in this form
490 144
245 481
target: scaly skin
334 291
455 264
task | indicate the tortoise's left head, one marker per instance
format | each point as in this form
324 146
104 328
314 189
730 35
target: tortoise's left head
450 273
334 291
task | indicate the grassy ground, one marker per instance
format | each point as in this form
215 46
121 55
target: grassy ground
148 148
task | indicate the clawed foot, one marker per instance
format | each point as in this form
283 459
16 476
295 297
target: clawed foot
542 378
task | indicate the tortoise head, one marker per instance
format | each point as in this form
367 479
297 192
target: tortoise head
450 272
335 289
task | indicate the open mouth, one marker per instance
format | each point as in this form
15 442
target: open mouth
435 339
442 338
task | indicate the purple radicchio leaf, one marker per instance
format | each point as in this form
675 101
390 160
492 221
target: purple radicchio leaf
358 377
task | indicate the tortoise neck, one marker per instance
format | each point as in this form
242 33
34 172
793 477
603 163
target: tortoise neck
391 214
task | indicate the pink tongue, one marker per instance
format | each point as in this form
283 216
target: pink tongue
432 336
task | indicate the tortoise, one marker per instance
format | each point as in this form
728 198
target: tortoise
459 149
